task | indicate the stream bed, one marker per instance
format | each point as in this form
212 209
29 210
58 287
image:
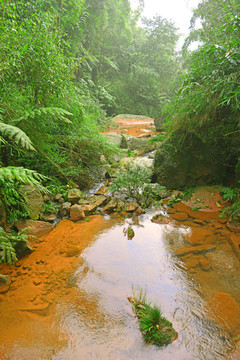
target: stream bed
68 300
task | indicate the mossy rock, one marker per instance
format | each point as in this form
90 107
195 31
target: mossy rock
186 163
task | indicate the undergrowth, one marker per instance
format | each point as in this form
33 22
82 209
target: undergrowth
232 195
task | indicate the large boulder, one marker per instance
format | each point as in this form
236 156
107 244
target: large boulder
118 140
189 164
34 200
33 226
135 143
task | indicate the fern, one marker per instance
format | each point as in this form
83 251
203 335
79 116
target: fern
24 176
8 240
7 251
15 134
49 111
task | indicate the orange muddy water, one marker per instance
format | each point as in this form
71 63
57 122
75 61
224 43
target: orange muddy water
68 299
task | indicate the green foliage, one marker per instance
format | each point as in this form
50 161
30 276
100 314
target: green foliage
8 241
132 180
17 135
11 198
232 195
155 328
207 100
157 138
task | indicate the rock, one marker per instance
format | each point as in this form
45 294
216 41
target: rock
23 248
199 249
4 279
204 264
206 216
34 226
226 311
235 242
110 206
130 233
161 219
222 221
49 217
147 163
198 236
171 210
180 216
147 135
34 200
190 164
120 205
72 251
76 213
102 190
199 222
98 200
5 282
58 197
83 202
136 143
65 209
131 206
88 209
139 211
118 140
233 226
74 196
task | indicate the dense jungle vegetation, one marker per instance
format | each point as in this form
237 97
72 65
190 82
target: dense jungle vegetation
67 66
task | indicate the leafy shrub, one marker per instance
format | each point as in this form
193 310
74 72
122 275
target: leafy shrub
232 195
132 181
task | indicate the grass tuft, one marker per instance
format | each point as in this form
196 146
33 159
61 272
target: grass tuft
155 328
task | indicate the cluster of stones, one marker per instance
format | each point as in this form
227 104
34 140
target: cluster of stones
75 208
78 208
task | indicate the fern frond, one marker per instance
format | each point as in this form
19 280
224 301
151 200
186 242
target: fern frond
25 176
7 251
49 111
15 134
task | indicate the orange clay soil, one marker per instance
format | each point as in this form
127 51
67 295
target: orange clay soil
43 278
134 127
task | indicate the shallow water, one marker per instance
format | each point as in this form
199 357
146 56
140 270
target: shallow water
85 313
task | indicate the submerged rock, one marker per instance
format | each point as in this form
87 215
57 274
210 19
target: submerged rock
226 311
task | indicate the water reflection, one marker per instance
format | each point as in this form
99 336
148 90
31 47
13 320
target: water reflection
93 319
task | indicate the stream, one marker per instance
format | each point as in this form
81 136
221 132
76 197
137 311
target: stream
68 300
